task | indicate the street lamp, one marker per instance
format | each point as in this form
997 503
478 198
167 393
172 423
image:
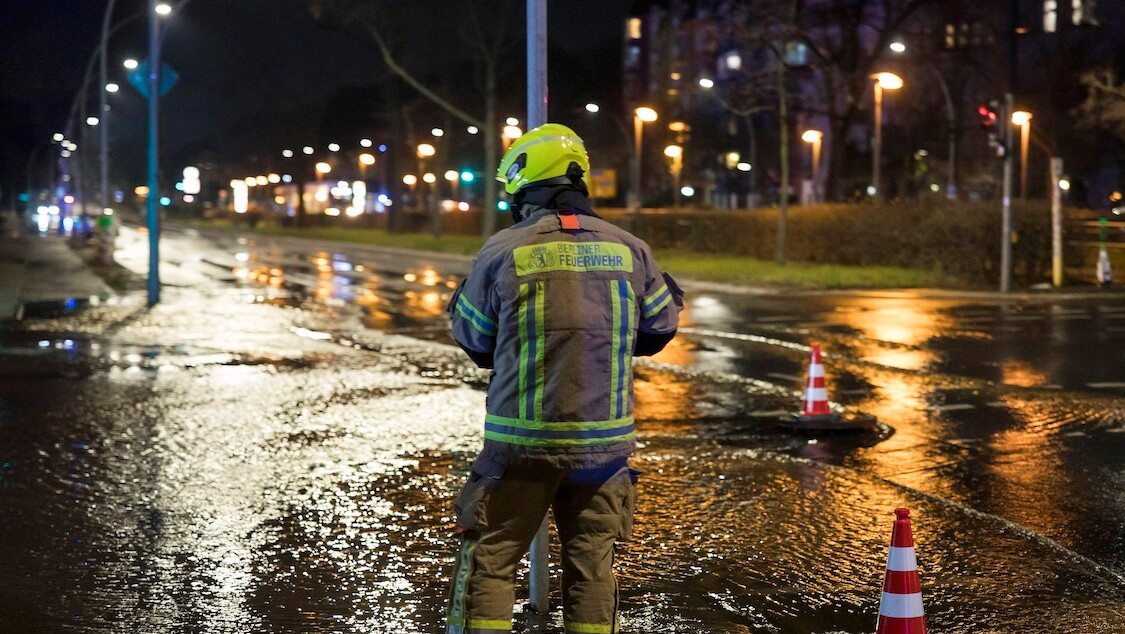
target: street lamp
323 168
676 153
641 116
511 133
883 81
425 150
163 9
130 64
1022 118
592 108
454 177
814 137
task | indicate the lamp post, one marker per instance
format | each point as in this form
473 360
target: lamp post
1022 118
511 133
676 153
425 151
365 160
595 109
883 81
814 138
641 116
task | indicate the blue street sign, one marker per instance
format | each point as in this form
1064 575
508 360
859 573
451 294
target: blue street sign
139 78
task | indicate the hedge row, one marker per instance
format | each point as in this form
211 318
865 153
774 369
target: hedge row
960 240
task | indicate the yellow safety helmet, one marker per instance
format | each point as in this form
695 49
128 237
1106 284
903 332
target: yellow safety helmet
542 154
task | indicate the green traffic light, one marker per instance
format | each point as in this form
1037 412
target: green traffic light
502 205
467 176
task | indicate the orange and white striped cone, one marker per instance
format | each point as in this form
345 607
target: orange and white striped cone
816 390
900 610
816 415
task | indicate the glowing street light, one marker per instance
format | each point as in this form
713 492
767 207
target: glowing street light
365 142
410 180
163 9
437 132
130 64
429 177
366 159
676 153
112 87
706 82
511 133
641 116
512 121
287 153
452 175
472 129
425 150
883 81
91 121
897 46
1022 118
814 137
323 168
333 147
307 150
592 107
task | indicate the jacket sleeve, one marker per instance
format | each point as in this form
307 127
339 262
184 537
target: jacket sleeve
473 312
660 307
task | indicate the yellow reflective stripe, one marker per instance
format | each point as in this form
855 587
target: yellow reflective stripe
556 442
490 624
589 628
582 425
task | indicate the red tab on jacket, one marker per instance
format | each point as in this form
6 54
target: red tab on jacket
569 221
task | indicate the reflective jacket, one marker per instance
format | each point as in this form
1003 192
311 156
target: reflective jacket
557 301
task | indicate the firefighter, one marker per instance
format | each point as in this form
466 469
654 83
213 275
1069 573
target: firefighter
557 306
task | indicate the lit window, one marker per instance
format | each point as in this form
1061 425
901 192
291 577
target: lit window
1050 15
949 33
1082 12
634 28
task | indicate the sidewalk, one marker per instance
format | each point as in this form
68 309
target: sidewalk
41 269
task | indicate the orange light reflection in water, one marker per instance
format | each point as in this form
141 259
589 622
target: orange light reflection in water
905 321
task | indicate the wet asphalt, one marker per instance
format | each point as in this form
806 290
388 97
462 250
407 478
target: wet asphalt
275 447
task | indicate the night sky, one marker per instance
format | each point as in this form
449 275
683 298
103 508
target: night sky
247 62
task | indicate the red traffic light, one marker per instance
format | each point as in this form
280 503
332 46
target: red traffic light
988 116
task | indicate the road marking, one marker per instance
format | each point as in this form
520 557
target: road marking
776 318
1075 434
996 404
785 377
851 392
953 407
1107 385
1116 430
1021 317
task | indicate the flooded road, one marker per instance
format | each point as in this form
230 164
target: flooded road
275 447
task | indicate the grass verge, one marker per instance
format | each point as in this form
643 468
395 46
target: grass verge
752 272
701 266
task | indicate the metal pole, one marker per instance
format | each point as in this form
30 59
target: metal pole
816 169
638 132
537 116
878 145
1056 222
1025 128
153 161
103 110
1006 203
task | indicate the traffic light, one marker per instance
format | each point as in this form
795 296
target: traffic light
990 122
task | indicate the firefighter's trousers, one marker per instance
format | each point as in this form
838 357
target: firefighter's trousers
593 508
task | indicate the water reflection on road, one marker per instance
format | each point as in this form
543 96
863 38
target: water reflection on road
265 452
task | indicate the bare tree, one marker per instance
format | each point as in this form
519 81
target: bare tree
377 19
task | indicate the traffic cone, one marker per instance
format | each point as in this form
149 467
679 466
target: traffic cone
816 391
900 610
